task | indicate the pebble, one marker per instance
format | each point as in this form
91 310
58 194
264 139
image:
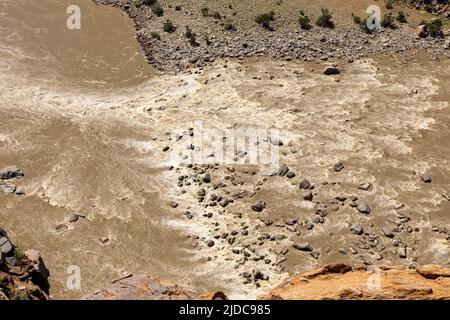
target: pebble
387 232
75 217
290 175
257 274
331 71
61 227
357 229
283 170
224 202
258 206
206 178
366 186
308 196
427 178
201 192
290 221
304 184
364 208
276 142
302 246
446 196
338 167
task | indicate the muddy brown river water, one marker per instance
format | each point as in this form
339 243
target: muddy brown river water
87 119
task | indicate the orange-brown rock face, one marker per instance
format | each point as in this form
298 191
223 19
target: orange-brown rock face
341 282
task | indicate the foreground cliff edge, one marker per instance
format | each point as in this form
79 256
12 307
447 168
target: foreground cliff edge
23 276
342 282
330 282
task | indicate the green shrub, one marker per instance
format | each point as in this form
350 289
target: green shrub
157 10
389 4
356 19
207 40
216 15
178 8
19 254
22 295
305 22
191 36
388 21
149 2
401 17
264 19
229 26
155 35
434 28
205 12
429 7
325 19
169 27
361 22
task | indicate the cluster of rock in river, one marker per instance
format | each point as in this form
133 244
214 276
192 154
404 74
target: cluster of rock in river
243 233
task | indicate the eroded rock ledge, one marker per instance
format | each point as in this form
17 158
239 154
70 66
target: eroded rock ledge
23 275
146 288
335 281
342 282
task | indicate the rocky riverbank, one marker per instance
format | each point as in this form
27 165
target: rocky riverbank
169 49
23 275
352 184
437 7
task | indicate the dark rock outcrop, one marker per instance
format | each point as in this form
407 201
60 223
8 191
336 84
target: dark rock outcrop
23 275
